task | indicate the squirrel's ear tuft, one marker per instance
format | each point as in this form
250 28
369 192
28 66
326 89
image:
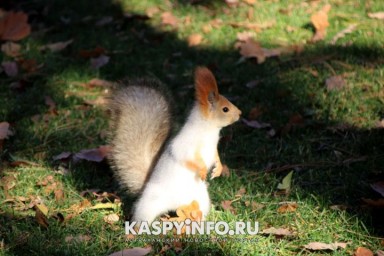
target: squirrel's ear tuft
206 88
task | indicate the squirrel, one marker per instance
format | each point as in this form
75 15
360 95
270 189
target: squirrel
167 173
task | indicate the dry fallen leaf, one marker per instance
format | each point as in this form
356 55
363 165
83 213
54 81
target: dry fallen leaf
194 39
11 49
96 82
241 192
250 2
93 53
56 47
50 103
100 61
226 205
29 65
41 215
251 49
335 83
320 22
244 36
167 18
111 218
4 130
104 21
343 32
290 207
374 203
136 251
14 26
378 186
59 195
362 251
376 15
151 11
62 156
277 231
77 239
10 68
319 246
225 172
256 124
94 155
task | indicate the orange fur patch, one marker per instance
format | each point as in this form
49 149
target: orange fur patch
205 84
197 165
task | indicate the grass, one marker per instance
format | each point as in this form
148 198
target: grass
335 151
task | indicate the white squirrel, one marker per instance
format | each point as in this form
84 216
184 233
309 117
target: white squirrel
167 173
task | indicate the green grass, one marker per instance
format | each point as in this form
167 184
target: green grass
335 153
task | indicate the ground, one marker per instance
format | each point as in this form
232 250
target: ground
311 104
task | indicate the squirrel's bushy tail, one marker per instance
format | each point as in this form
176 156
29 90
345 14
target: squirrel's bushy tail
141 123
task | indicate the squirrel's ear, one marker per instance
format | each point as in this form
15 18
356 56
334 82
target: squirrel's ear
207 93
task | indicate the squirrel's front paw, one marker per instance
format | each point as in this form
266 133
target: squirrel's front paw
203 174
216 172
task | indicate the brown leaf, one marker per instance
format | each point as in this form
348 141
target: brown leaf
225 172
50 103
56 47
10 68
241 192
136 251
62 156
77 239
289 207
343 32
11 49
296 119
277 231
335 83
8 182
226 205
250 2
99 101
255 113
375 203
257 27
5 132
41 219
256 124
59 195
244 36
167 18
362 251
23 163
319 246
94 154
194 39
320 22
151 11
29 65
96 82
378 187
14 26
251 49
93 53
100 61
376 15
104 21
111 218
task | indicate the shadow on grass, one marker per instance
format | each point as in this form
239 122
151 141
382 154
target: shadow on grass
341 162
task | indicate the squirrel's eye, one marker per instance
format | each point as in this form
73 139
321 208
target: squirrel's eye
225 109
